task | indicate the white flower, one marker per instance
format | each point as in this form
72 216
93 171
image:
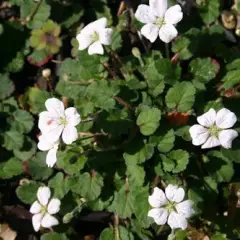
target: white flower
169 207
43 209
94 35
45 144
159 20
56 121
213 129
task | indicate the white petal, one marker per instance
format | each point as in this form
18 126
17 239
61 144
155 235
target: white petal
54 133
173 15
105 36
43 195
185 208
95 26
45 121
84 40
225 118
44 144
36 221
54 206
159 6
145 14
176 220
174 193
72 116
158 198
150 31
167 33
49 221
55 107
96 48
159 215
199 134
211 142
51 157
70 134
208 118
35 208
226 137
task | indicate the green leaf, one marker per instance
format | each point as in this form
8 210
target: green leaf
123 203
136 175
71 161
181 96
148 120
27 151
41 15
86 185
116 43
166 142
36 99
12 167
59 185
203 69
38 168
23 121
171 72
27 192
54 236
13 140
138 152
176 161
39 57
233 154
231 79
141 207
209 11
183 132
101 93
7 86
109 234
219 237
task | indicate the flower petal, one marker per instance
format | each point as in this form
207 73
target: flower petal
84 40
159 6
199 134
44 144
36 221
70 134
176 220
159 215
96 48
225 118
167 33
35 208
54 133
55 107
49 221
185 208
54 206
105 36
95 26
145 14
208 118
174 14
72 116
226 137
211 142
46 119
150 31
158 198
51 157
174 193
43 195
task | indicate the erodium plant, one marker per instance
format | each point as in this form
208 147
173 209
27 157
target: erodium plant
120 119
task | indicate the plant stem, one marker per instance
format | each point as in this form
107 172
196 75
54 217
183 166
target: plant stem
167 50
33 12
116 229
122 102
159 230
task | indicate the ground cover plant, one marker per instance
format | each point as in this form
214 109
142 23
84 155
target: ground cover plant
119 119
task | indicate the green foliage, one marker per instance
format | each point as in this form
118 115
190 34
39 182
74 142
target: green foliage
7 86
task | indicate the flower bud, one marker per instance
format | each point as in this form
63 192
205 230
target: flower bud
46 73
67 218
136 53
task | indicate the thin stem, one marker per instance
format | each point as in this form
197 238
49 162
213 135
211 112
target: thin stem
122 102
33 12
116 227
56 61
159 230
88 134
167 50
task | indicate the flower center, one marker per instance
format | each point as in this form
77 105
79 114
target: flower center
214 130
160 22
95 37
63 121
171 206
44 210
